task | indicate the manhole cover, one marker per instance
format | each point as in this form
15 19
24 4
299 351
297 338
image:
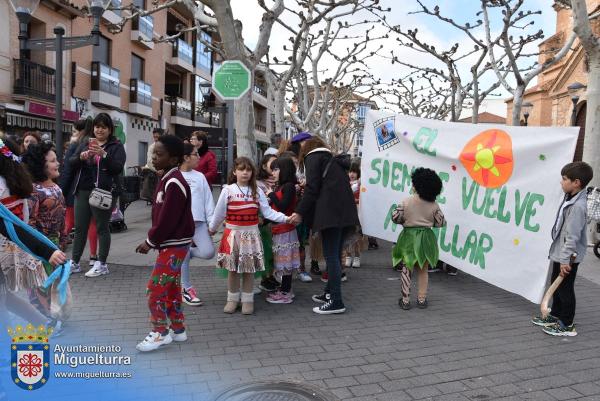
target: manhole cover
275 391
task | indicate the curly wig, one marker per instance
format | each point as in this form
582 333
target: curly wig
426 183
35 160
16 175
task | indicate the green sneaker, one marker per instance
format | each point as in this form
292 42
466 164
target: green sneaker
560 330
544 322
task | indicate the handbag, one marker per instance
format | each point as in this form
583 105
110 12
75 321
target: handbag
100 198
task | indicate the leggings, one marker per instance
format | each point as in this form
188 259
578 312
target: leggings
83 214
204 249
92 236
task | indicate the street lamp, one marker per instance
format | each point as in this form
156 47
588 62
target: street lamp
574 89
24 10
526 107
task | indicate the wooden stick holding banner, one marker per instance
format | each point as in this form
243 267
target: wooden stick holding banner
544 308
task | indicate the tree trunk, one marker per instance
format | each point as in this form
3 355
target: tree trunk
591 144
279 109
475 117
244 123
517 102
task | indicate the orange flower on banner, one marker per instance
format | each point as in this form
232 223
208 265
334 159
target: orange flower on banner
488 158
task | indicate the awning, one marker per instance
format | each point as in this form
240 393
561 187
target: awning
26 121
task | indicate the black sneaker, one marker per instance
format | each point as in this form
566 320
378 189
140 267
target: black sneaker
451 270
268 285
323 298
422 304
404 305
344 278
544 321
314 268
330 307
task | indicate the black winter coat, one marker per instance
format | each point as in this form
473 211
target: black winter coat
327 202
67 176
110 167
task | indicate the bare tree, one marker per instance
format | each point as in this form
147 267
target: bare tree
514 48
420 94
591 44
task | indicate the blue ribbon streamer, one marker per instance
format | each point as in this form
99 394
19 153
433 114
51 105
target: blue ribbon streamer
60 273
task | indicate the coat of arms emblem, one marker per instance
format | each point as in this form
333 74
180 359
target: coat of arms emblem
30 356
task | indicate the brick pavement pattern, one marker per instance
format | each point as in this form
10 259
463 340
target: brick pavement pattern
474 342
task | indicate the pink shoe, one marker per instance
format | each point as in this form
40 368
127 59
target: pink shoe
279 298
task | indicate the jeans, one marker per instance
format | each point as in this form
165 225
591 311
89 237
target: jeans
204 250
332 250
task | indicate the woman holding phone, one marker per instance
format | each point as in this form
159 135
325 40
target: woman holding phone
98 163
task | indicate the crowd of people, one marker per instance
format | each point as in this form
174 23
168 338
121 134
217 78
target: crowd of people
299 195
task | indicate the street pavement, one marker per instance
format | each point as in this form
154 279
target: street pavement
474 342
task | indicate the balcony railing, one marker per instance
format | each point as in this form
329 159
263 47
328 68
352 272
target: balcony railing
140 92
115 7
144 25
260 90
34 79
183 50
105 78
260 128
181 108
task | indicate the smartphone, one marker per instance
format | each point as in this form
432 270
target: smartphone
93 141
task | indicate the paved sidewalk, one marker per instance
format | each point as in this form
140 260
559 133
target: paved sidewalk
474 342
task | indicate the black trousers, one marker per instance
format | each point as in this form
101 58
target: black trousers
563 301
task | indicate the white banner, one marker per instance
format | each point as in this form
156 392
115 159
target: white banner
501 191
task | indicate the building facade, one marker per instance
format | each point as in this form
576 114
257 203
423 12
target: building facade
141 83
551 98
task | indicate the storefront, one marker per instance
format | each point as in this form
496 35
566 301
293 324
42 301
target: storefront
18 119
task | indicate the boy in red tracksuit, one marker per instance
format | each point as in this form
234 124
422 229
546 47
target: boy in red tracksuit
171 234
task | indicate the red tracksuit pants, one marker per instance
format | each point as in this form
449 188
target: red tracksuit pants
164 290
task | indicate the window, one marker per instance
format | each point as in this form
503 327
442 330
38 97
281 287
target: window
137 67
203 54
142 153
139 4
101 52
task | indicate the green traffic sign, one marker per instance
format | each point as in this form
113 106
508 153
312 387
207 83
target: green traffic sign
231 80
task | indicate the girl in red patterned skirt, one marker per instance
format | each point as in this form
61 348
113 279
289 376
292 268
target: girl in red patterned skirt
241 251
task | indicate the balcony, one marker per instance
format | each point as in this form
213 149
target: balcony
35 80
113 16
203 58
181 112
260 128
182 56
105 85
259 95
142 31
260 133
140 97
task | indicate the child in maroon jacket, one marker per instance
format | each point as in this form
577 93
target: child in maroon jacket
171 234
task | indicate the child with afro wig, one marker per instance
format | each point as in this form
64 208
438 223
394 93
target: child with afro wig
417 244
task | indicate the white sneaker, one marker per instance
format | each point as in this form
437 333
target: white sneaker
98 270
356 262
256 290
348 261
75 267
304 277
153 341
93 260
178 337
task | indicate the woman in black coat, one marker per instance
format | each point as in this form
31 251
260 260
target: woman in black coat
327 206
98 160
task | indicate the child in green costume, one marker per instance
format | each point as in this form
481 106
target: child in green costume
417 245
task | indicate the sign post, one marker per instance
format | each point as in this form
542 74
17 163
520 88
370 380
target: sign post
231 81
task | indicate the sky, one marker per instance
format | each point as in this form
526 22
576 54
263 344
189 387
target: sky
435 32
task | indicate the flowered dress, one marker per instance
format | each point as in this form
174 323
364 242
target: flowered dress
286 247
241 247
47 210
21 270
264 227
